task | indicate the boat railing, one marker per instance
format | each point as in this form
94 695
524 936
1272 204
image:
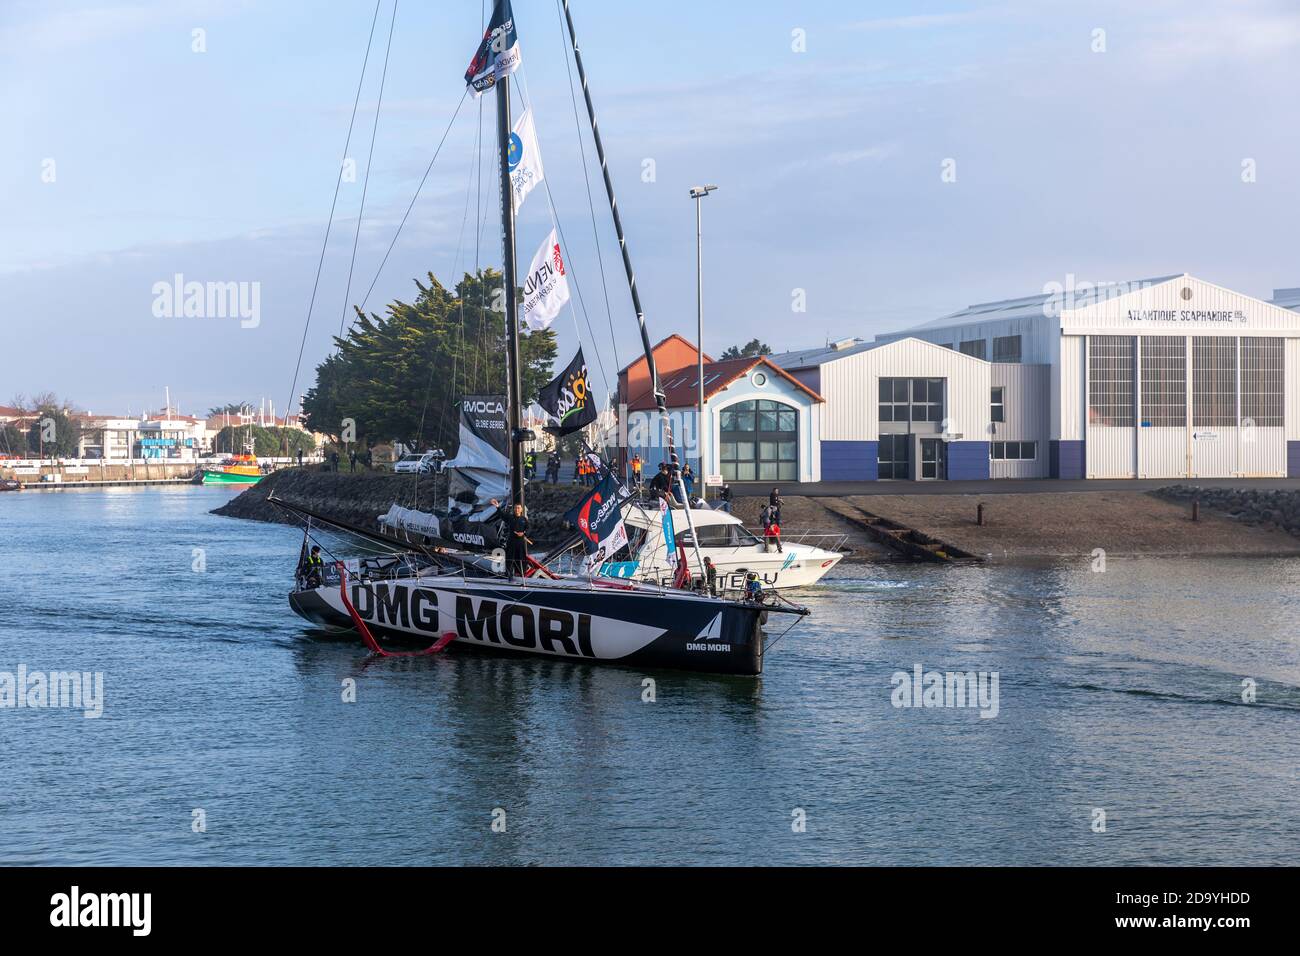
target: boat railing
826 540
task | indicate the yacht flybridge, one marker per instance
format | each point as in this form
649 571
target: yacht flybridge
418 590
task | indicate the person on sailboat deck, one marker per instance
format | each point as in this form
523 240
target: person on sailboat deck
315 567
710 580
661 484
517 541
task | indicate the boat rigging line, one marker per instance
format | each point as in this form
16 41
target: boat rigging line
591 204
338 182
661 400
418 189
365 183
573 273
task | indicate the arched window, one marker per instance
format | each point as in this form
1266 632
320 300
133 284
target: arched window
759 441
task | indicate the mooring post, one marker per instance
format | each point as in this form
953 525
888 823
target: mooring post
979 514
1196 508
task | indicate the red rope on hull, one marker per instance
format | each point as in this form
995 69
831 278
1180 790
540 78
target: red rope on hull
369 639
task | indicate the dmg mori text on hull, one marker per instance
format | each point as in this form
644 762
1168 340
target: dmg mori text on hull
598 623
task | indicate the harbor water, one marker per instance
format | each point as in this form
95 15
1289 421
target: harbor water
1145 714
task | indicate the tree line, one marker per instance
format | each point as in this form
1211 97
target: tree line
52 430
399 376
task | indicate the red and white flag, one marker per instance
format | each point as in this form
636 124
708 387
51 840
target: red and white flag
546 288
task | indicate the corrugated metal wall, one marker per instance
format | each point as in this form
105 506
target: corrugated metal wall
1027 413
1036 332
1068 390
1167 421
851 388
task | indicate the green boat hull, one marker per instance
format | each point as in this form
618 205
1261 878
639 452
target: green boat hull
221 478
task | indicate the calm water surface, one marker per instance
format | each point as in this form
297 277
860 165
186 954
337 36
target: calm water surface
1119 691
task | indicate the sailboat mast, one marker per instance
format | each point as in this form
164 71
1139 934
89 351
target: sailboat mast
661 401
513 387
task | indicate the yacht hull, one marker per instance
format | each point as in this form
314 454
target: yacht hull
596 623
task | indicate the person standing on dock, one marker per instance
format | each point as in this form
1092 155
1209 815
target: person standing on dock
774 501
636 470
352 460
299 456
724 499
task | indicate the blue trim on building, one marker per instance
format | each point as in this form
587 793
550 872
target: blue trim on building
1068 459
1293 459
850 461
968 460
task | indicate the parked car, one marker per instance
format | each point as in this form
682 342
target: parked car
430 463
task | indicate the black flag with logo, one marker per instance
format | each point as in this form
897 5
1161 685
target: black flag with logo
567 398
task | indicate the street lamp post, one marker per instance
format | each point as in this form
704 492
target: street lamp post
701 431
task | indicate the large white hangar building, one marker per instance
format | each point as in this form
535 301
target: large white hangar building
1165 378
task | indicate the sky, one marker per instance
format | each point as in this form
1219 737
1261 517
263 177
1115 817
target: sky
880 163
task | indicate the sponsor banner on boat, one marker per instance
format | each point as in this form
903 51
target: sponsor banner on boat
599 520
498 53
670 537
483 422
568 399
525 159
546 287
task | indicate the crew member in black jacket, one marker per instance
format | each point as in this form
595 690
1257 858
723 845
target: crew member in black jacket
516 541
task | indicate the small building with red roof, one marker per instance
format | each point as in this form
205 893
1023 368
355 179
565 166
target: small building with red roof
761 423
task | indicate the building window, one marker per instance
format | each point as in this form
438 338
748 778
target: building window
911 399
998 406
1013 450
1006 348
759 441
1110 381
1262 363
1214 381
894 397
1164 380
973 347
894 457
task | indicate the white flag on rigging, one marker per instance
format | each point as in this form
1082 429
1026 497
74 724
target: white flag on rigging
525 159
546 287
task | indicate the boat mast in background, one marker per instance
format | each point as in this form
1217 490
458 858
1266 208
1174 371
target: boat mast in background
514 399
660 399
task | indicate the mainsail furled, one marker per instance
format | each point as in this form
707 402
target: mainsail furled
477 476
480 471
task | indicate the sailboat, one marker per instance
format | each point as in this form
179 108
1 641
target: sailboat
421 591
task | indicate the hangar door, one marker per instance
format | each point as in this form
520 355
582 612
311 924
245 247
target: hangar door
1175 406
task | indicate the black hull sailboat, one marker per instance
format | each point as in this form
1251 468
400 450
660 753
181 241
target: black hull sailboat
591 621
421 593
